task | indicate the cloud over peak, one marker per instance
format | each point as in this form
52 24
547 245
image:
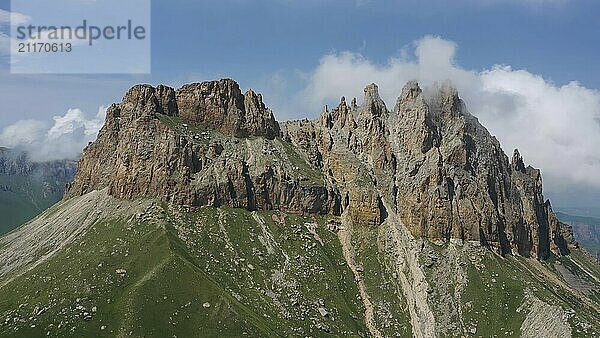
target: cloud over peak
555 126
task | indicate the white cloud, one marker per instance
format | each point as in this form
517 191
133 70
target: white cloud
23 133
75 121
13 18
347 73
65 138
555 127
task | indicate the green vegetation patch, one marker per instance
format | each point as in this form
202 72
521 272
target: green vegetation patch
215 272
391 311
493 296
22 198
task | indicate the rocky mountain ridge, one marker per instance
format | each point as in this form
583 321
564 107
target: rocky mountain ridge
585 229
428 159
196 210
17 163
206 144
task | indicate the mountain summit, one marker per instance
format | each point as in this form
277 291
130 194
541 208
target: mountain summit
428 160
195 213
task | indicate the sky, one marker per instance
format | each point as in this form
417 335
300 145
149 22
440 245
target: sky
528 69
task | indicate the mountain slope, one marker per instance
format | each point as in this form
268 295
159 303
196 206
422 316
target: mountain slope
585 229
149 269
28 188
182 272
196 212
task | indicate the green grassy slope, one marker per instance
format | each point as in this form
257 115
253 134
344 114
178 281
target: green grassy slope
22 198
219 273
391 314
156 270
498 288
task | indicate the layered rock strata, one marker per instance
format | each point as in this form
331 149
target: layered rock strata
443 173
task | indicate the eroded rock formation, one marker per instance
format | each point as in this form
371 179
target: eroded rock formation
442 172
446 176
204 144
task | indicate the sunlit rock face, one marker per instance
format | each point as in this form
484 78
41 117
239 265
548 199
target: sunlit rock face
208 144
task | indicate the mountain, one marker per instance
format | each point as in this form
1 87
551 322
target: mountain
430 162
27 188
585 229
195 213
587 211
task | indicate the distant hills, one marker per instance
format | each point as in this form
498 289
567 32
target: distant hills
586 230
27 187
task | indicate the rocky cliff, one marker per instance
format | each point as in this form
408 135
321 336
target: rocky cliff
438 168
204 144
445 175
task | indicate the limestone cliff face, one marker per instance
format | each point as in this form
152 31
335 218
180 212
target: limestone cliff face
203 145
220 105
443 173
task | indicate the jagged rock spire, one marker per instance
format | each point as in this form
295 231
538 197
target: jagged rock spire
517 161
449 93
325 117
342 115
373 103
410 91
258 120
371 93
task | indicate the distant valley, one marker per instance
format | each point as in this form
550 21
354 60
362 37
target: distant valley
586 230
27 188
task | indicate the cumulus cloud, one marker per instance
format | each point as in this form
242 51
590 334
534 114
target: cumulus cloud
64 138
556 127
347 73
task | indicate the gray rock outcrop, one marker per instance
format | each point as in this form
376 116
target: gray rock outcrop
443 173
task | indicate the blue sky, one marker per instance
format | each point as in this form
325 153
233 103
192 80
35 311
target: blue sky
513 61
251 41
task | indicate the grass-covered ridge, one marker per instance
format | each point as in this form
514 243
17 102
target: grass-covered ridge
143 268
215 272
